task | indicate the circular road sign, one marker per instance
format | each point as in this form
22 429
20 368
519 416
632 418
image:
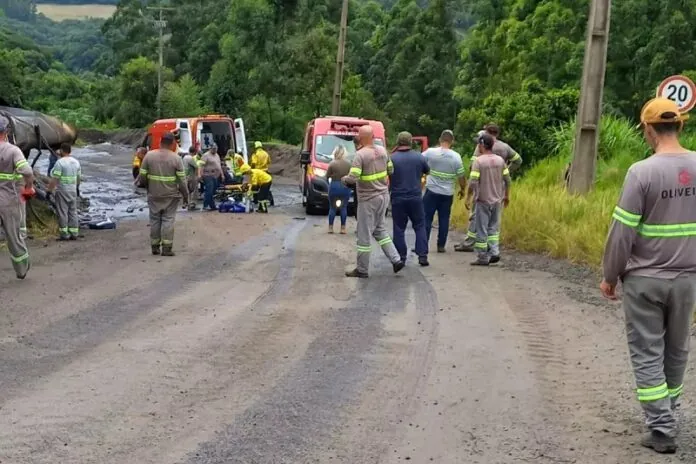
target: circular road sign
679 89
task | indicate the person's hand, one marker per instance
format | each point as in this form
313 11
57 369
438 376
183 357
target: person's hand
506 202
608 290
461 194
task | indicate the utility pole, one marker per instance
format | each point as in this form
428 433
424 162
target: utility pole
338 82
582 169
160 24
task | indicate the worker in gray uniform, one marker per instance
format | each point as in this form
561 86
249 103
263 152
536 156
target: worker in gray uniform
162 174
512 159
13 163
370 170
489 189
651 248
192 168
65 181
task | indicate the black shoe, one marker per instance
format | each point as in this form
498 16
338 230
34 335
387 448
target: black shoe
167 251
398 266
73 238
494 259
357 274
423 261
23 276
464 248
480 262
659 442
441 249
62 239
155 249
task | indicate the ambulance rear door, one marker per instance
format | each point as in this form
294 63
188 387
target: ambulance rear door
240 138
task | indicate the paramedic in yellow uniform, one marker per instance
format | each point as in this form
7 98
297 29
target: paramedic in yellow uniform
261 181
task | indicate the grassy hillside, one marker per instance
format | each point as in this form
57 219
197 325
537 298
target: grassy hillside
59 12
544 218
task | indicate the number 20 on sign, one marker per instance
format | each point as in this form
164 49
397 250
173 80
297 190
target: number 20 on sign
679 89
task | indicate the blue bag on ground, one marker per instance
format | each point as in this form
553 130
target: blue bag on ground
231 207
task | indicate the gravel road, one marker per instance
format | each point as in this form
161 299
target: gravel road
251 347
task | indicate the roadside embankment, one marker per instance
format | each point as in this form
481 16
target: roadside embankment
544 218
129 137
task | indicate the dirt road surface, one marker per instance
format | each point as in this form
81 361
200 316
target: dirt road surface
251 347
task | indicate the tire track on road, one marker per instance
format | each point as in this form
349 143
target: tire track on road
39 354
305 410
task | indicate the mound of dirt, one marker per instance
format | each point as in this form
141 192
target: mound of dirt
285 160
128 137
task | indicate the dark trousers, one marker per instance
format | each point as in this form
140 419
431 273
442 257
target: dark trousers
338 191
442 204
210 183
402 211
264 196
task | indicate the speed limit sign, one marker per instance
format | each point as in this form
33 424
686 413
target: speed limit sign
679 89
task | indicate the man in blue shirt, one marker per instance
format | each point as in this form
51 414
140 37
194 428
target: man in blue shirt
405 184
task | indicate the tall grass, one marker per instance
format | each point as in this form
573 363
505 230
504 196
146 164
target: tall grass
544 218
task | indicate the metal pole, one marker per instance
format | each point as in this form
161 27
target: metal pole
338 82
582 169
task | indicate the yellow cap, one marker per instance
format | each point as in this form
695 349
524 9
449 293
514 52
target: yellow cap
661 110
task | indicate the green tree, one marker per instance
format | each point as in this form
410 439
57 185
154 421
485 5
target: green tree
137 92
182 98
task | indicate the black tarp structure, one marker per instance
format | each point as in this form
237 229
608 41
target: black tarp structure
34 130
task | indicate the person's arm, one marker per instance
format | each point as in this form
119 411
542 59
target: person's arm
21 166
181 180
474 177
515 160
141 180
330 171
355 171
390 164
507 183
627 218
461 174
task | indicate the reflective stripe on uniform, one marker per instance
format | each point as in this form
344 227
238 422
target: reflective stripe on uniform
161 178
21 164
155 242
506 172
516 157
143 171
167 242
471 234
375 176
5 176
73 230
443 175
475 175
667 230
385 241
66 179
461 171
180 174
364 249
493 238
390 164
626 218
356 171
652 393
481 245
676 391
19 259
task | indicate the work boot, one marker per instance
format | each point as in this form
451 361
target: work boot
398 266
495 259
441 249
463 247
423 261
167 250
343 230
331 229
659 442
193 208
23 276
481 262
155 249
73 238
357 274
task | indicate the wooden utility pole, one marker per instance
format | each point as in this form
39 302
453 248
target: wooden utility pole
160 24
582 169
340 55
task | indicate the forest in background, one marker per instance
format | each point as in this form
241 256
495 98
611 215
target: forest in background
418 65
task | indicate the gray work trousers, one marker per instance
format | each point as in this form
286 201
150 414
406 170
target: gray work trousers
162 218
372 223
487 227
658 324
471 232
192 183
10 218
23 232
66 206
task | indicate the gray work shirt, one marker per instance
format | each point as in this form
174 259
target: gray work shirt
12 164
505 151
370 170
490 179
68 172
653 232
445 168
